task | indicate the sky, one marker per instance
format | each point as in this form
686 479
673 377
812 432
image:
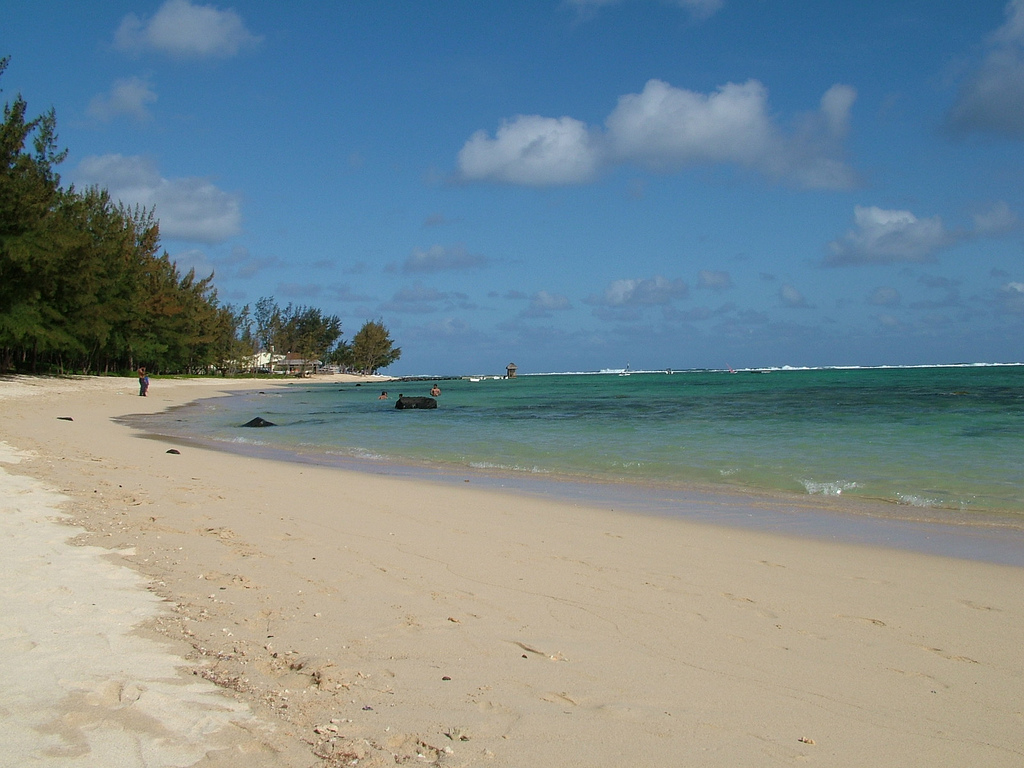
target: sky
568 185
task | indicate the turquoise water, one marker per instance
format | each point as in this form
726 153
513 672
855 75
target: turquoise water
945 439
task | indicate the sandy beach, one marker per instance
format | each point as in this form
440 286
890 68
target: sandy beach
202 608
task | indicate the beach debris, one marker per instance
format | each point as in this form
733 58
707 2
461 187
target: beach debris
259 421
175 451
445 677
805 740
65 418
456 734
552 656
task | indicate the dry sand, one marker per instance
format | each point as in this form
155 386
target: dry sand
208 609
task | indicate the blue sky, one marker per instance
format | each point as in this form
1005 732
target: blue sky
570 184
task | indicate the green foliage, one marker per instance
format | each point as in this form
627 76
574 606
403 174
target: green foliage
372 348
304 332
83 287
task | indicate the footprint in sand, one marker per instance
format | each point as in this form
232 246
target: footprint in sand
947 655
864 619
737 598
980 607
746 601
559 698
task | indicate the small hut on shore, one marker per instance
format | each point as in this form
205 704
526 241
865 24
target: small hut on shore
510 371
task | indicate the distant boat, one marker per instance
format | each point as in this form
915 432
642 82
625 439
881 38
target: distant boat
625 371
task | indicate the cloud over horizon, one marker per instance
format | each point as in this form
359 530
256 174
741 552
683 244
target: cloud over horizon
438 258
665 129
543 303
641 292
885 236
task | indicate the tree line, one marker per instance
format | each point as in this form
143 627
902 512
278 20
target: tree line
310 335
84 287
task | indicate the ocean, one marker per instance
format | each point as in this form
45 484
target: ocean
943 445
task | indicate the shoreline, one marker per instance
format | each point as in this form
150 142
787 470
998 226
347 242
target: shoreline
986 536
371 618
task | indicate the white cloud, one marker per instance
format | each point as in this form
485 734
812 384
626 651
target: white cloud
1012 32
792 298
666 128
701 9
531 150
884 296
419 294
542 304
189 208
836 104
998 220
439 258
663 125
889 321
646 292
247 265
182 29
886 236
195 259
1011 298
421 299
344 292
127 96
992 99
714 280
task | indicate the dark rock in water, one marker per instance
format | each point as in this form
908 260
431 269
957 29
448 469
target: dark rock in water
259 422
65 418
404 402
175 451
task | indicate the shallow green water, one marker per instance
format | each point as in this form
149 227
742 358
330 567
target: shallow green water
949 438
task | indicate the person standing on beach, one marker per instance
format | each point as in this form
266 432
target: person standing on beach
143 382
